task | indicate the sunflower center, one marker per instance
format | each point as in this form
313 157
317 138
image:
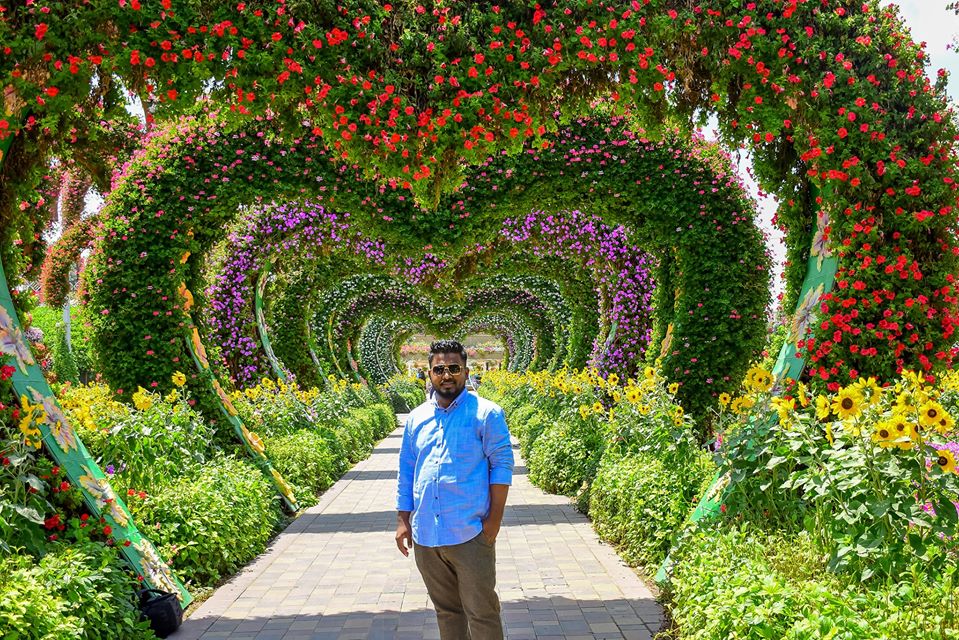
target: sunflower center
883 433
932 413
847 403
941 461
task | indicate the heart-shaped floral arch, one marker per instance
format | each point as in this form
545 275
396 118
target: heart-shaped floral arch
678 198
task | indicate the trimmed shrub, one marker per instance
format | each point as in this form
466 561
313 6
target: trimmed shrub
637 503
148 447
405 393
385 419
73 592
305 460
744 583
209 526
566 455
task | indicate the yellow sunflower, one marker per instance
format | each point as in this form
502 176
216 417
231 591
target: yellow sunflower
802 395
898 425
884 436
598 407
613 379
142 400
179 378
673 388
946 460
848 403
724 399
946 424
931 413
742 404
632 394
759 379
869 389
822 407
584 411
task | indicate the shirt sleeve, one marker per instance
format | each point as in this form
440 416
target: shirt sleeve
404 489
497 447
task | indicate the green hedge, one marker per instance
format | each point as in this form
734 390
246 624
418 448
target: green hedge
637 503
527 424
566 455
744 583
306 460
405 393
73 592
211 525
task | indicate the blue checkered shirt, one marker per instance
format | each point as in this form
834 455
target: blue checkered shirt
448 460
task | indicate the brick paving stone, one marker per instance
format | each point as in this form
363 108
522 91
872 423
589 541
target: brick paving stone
335 573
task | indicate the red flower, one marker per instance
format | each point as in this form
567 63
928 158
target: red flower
107 530
40 31
6 372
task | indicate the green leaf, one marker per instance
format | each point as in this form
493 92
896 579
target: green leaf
29 513
880 508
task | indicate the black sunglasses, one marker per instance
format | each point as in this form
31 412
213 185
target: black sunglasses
440 370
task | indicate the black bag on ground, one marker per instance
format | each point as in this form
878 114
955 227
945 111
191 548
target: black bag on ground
162 609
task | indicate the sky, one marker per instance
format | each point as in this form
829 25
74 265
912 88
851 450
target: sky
929 22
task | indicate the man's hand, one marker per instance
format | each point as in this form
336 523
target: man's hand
490 530
404 533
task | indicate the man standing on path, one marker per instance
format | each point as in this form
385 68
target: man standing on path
456 466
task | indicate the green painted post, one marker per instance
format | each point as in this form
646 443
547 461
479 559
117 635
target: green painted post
68 450
261 323
71 455
254 445
820 278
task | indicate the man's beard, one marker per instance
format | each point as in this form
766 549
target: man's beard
449 395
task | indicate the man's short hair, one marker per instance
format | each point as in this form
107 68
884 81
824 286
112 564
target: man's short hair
447 346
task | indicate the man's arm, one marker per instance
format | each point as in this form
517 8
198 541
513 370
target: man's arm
404 493
497 504
499 452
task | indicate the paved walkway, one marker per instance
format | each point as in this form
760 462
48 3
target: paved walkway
335 572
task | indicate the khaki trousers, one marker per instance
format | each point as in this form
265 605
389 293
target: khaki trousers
461 581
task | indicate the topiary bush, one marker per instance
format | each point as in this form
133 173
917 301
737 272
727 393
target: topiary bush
637 503
74 592
746 583
405 393
305 460
144 447
536 424
566 455
209 526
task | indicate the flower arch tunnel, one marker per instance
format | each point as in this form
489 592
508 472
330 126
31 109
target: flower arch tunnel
667 184
846 130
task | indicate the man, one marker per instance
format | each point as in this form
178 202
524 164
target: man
456 466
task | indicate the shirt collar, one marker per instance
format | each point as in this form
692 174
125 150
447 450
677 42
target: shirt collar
453 405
